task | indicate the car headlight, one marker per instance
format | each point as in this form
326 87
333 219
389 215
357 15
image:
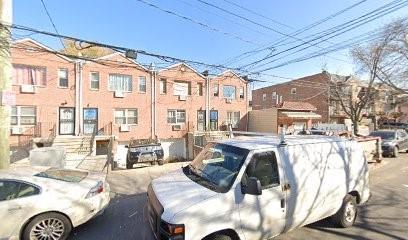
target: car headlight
172 231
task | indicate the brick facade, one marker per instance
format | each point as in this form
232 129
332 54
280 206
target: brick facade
312 89
85 99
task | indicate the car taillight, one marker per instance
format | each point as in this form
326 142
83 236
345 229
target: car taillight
98 188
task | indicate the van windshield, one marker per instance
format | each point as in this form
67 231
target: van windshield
217 166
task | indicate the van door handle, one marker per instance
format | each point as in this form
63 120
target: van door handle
282 203
286 187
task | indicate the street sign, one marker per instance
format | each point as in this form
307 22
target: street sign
7 98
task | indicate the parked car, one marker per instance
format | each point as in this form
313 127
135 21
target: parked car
392 141
144 153
46 203
259 187
395 125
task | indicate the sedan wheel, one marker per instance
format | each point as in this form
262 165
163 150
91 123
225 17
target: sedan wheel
49 226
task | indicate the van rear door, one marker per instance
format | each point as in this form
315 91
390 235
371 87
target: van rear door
263 216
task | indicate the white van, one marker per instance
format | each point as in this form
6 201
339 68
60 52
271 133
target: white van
259 187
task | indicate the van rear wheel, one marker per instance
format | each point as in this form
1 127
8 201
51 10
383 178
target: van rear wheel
346 216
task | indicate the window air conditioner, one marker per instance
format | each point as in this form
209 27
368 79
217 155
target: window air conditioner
182 98
124 128
16 130
177 127
119 94
27 89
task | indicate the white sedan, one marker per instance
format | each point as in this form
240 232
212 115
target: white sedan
40 203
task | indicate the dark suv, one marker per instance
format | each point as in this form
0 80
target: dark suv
144 153
392 141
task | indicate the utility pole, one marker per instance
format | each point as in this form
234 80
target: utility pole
5 81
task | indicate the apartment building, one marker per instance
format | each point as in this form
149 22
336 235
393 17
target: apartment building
59 96
312 89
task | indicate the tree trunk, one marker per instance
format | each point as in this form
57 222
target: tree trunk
355 126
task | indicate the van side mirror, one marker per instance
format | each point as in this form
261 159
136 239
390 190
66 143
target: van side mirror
253 187
126 146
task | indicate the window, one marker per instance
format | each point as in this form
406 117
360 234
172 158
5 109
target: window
200 89
181 88
264 97
264 167
216 90
23 115
273 95
126 116
228 92
142 84
163 86
29 75
10 190
120 82
233 119
94 80
176 116
241 93
293 91
63 77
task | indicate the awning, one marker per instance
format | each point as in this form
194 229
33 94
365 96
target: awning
301 115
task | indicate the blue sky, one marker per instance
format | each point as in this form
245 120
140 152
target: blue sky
132 24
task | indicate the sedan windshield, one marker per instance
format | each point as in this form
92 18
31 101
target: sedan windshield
217 166
384 135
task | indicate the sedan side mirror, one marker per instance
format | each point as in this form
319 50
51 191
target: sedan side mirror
253 187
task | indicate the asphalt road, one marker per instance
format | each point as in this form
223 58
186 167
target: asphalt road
385 216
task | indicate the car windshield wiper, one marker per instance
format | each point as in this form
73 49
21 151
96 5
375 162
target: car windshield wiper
203 179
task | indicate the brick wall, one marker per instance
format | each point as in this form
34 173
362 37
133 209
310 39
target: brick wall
312 89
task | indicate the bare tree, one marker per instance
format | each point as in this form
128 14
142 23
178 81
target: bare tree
85 50
385 60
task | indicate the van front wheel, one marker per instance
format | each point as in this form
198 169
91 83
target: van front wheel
347 214
220 237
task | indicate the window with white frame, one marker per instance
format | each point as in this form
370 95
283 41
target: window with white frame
163 86
23 115
120 82
181 88
63 77
228 91
94 79
142 84
273 95
216 90
233 118
293 91
175 116
126 116
29 75
241 93
264 97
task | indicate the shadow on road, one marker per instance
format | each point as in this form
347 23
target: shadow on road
123 219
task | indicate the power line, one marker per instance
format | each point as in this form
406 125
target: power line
295 33
350 25
204 25
52 22
257 13
222 17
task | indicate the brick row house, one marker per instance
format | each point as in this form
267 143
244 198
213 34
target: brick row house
59 96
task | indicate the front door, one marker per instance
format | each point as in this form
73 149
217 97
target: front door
201 120
66 121
213 120
90 121
263 216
